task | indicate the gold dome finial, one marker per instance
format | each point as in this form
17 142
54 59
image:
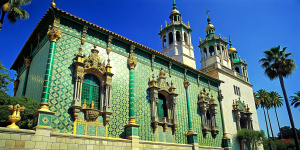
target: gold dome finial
53 4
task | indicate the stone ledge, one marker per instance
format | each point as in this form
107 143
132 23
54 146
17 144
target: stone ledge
21 131
85 137
167 144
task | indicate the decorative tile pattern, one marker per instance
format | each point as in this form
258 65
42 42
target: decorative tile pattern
169 136
70 27
96 38
161 135
120 96
91 130
142 104
44 120
101 131
80 129
62 85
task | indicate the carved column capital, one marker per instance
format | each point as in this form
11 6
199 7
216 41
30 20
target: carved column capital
186 84
28 62
53 34
132 62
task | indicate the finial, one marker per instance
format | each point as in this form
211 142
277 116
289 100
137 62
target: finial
219 35
244 60
200 41
188 24
166 23
53 4
208 19
160 27
239 57
174 5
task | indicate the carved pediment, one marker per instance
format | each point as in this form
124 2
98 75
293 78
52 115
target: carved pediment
93 61
162 82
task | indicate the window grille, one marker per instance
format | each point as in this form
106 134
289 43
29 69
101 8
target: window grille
90 90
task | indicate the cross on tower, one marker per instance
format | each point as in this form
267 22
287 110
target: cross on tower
207 11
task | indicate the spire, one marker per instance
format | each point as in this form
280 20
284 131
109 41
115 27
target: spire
208 19
174 5
230 44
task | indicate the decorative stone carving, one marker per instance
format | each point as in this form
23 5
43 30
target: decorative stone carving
92 65
132 62
53 34
242 115
208 109
161 86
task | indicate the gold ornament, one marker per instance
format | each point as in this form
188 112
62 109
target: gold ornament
53 34
132 60
15 117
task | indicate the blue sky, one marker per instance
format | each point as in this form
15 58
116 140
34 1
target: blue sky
254 26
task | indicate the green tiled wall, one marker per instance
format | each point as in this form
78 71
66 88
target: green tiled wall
62 87
21 84
37 73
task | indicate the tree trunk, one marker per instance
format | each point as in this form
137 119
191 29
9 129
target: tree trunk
289 112
270 124
278 124
2 19
267 129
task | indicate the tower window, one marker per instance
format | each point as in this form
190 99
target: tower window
186 38
237 69
205 53
90 90
211 50
178 36
164 40
170 37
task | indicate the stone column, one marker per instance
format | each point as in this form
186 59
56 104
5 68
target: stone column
191 135
131 129
43 116
167 39
225 140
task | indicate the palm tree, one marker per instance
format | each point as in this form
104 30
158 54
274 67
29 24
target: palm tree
268 106
261 97
277 64
276 101
296 99
13 10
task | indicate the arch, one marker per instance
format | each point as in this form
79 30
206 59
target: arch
186 38
170 37
164 41
90 90
237 69
205 53
211 50
162 106
178 36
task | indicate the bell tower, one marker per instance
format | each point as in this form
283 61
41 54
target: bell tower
213 48
176 39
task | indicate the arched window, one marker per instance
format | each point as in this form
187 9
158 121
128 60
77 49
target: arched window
165 40
211 50
90 90
162 106
186 38
170 37
237 69
205 53
178 36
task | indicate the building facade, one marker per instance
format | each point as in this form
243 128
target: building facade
93 82
222 63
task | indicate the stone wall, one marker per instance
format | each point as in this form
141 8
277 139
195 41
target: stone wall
45 139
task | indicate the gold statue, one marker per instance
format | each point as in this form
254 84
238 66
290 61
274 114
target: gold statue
15 117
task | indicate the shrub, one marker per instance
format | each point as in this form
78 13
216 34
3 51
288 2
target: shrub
26 116
251 137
